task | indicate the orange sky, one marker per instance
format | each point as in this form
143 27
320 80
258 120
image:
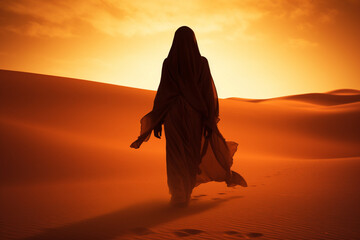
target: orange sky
256 48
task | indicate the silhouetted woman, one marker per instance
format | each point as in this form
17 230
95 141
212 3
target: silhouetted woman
187 104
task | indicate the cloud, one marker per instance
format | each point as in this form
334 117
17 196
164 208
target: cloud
138 17
328 16
36 29
299 43
127 18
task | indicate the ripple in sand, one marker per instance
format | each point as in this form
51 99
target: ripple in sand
232 232
187 232
247 235
141 231
200 195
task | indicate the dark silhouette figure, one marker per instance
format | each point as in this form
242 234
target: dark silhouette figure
187 104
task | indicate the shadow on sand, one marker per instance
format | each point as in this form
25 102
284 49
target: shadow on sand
134 220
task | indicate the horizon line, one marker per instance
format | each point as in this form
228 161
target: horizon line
113 84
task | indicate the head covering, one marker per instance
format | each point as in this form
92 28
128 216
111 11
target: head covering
184 55
185 65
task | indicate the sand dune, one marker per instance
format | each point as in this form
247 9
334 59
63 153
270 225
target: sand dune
336 97
67 169
345 91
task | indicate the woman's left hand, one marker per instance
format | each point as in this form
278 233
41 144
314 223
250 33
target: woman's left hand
158 130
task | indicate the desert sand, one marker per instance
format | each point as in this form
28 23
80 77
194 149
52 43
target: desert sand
67 171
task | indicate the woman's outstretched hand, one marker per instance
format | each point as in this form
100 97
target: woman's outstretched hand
158 130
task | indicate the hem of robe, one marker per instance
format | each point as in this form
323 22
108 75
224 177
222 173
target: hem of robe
212 169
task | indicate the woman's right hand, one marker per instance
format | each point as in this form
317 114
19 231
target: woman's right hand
207 132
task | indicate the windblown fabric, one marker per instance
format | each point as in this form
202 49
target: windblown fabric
186 103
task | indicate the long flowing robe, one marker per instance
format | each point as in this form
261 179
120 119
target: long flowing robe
186 103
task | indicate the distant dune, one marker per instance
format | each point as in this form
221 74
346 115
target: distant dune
66 163
336 97
345 91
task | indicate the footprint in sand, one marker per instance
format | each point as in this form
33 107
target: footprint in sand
187 232
216 198
221 193
141 231
254 235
